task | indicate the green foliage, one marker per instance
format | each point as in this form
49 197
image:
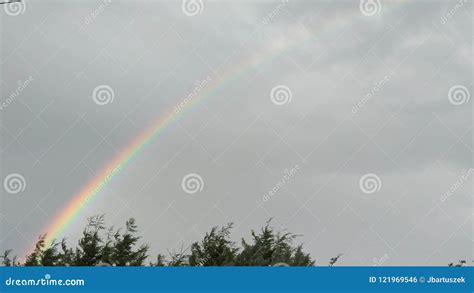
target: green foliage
177 259
460 263
333 260
122 251
7 261
216 249
90 248
100 246
271 247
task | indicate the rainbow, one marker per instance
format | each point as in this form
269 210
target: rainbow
69 214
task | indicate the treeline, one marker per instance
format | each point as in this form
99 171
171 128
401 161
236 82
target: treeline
106 246
100 245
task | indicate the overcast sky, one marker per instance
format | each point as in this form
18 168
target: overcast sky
349 124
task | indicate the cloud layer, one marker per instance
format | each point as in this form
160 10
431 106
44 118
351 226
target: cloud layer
265 87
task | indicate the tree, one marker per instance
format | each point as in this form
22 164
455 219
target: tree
216 249
460 263
7 261
91 246
100 245
122 251
97 245
272 247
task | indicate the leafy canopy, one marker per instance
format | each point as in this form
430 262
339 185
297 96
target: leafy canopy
102 246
